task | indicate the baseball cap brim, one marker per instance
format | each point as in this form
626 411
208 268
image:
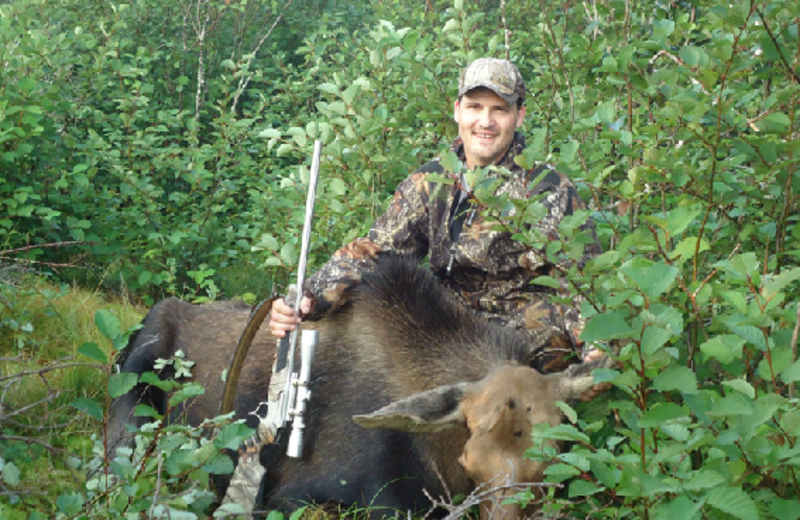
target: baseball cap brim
500 91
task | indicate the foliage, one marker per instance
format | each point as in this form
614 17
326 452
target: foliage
168 473
685 133
161 146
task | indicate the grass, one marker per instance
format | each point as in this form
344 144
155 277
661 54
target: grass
42 326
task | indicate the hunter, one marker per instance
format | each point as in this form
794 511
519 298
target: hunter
485 269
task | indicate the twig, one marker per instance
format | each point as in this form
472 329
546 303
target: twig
792 385
506 32
243 82
49 244
772 37
487 492
158 484
50 368
30 440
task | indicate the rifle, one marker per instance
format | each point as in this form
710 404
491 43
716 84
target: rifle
288 394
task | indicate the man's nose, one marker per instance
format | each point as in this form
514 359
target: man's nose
485 118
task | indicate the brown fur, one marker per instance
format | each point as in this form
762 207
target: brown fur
399 357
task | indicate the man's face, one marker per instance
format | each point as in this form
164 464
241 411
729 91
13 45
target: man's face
486 124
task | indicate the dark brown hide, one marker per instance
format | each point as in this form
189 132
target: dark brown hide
400 357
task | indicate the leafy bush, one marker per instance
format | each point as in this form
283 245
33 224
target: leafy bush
175 156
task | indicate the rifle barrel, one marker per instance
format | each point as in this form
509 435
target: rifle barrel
301 269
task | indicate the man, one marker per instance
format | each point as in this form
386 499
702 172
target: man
484 268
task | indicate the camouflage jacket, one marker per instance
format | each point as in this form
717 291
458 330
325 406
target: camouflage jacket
490 271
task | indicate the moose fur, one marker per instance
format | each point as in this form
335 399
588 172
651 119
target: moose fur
410 392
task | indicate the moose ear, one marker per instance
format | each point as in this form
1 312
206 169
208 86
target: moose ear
430 411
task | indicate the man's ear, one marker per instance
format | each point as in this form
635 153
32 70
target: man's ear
520 116
455 112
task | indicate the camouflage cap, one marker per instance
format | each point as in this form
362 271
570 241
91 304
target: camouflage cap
500 76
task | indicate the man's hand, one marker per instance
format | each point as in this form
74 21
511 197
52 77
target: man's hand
594 355
283 319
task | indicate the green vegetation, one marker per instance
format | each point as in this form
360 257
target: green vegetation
158 148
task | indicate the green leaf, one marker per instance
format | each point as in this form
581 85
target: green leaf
10 474
662 413
682 507
143 410
783 509
740 385
232 435
776 122
693 56
330 88
561 471
337 107
220 465
653 339
791 373
704 479
569 413
652 278
568 152
92 351
724 348
730 405
89 407
121 383
186 392
288 253
687 248
779 282
337 186
107 324
451 163
733 501
298 513
564 432
70 503
581 488
150 378
603 261
144 277
275 515
663 28
266 242
751 334
270 133
451 25
350 93
681 217
546 281
606 474
676 378
284 149
610 325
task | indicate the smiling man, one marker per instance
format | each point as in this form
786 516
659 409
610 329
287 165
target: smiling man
484 268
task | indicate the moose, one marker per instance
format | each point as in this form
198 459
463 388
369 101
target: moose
413 395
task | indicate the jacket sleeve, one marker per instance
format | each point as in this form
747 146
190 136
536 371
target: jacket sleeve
402 229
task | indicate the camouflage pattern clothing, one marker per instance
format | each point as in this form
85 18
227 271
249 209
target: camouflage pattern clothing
488 271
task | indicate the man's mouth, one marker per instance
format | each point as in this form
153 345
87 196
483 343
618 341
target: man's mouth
485 136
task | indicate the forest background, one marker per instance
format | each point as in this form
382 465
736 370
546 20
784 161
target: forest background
153 149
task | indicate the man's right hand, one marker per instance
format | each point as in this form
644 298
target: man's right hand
284 319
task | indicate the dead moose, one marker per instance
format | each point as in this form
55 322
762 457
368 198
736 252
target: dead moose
443 400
